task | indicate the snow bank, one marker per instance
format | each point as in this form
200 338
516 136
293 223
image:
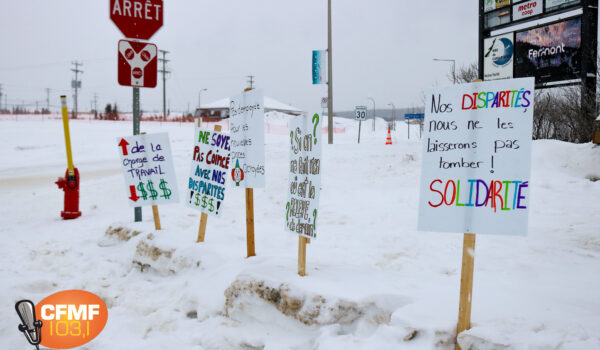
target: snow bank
374 281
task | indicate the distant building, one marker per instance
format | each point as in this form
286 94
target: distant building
220 109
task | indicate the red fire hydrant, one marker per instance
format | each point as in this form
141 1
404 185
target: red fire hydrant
70 184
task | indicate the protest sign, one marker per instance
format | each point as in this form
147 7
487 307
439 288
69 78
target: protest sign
304 176
209 171
147 166
477 158
246 125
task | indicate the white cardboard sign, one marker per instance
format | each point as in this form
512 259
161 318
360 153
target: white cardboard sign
301 209
247 130
477 158
147 166
209 170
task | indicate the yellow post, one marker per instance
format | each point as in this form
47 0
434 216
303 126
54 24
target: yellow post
65 119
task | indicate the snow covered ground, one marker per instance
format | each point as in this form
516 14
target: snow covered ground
374 281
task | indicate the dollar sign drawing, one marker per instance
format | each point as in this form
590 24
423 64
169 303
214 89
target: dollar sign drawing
140 188
153 193
163 186
197 199
204 202
211 207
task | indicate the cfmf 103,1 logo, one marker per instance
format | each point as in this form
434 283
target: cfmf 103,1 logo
62 320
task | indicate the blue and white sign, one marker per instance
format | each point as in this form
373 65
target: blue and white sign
319 67
414 116
498 57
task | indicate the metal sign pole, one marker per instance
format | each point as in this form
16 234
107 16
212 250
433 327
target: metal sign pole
329 78
137 211
359 123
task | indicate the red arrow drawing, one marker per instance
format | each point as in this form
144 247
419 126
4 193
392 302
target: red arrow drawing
124 144
134 197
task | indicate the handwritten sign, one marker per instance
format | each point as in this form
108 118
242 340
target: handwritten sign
209 171
246 125
305 176
477 158
148 169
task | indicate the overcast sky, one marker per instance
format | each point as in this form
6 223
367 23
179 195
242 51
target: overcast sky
381 48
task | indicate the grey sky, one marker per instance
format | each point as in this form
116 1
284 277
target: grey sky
381 48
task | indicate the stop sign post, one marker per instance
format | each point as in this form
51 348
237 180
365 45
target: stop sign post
137 19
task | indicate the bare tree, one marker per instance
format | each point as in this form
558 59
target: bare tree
465 74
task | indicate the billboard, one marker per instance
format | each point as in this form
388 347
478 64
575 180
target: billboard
498 57
498 17
552 5
549 53
527 9
489 5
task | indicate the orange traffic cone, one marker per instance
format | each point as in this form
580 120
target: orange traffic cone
388 140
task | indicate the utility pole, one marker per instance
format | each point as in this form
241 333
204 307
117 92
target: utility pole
329 77
0 97
250 82
48 99
76 83
164 72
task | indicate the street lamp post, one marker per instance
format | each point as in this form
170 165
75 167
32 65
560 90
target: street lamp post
371 98
393 115
453 66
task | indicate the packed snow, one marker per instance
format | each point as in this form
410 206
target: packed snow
373 281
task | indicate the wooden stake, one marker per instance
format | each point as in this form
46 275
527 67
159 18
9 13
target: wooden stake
250 222
466 285
203 216
156 217
202 227
302 242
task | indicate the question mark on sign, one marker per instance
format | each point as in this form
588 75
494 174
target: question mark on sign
315 220
287 211
316 116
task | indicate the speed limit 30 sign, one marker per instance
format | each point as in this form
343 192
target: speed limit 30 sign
360 113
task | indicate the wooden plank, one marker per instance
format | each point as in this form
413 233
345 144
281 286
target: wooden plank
156 217
250 222
204 216
302 255
466 285
202 227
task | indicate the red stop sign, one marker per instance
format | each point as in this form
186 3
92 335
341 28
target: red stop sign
138 19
